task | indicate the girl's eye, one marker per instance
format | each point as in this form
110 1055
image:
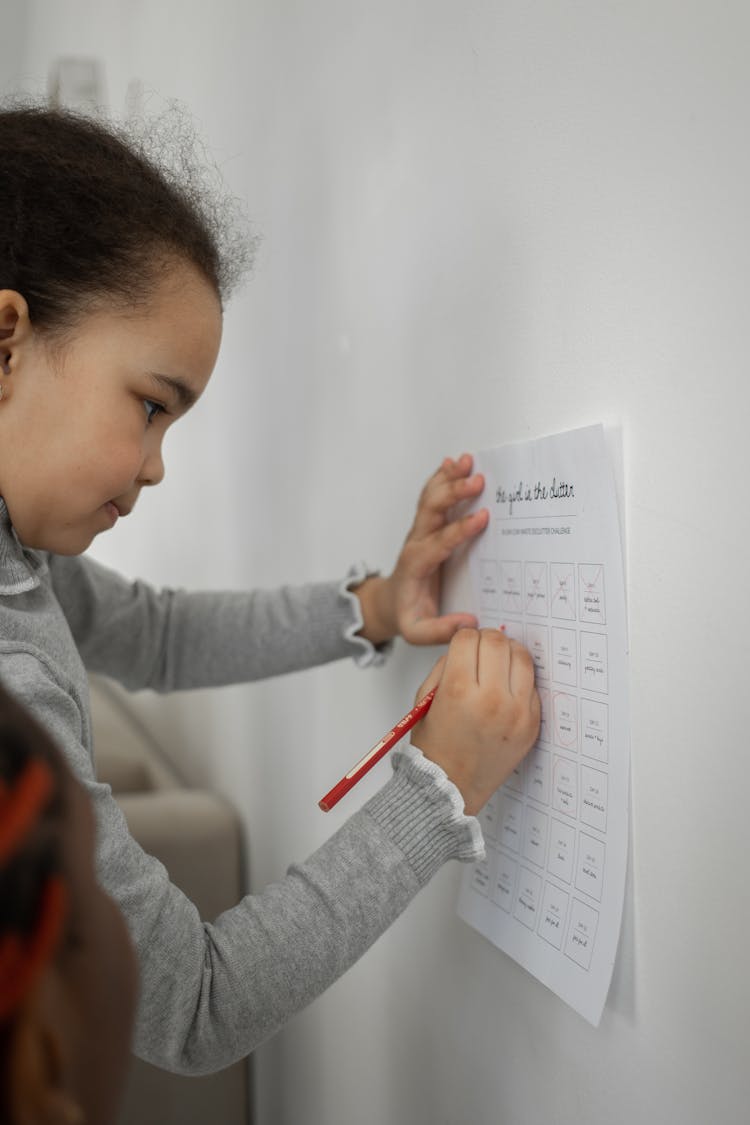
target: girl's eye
153 409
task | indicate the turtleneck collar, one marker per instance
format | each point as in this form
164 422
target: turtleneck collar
19 567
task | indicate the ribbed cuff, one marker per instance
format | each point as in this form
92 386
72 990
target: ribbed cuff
367 655
423 813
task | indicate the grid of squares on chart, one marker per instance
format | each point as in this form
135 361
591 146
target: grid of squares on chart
545 829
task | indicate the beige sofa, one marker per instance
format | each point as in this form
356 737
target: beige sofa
196 835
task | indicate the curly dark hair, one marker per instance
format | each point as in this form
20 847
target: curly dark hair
90 212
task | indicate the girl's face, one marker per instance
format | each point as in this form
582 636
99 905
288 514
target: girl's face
82 425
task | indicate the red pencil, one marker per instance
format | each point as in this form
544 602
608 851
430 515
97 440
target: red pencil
379 749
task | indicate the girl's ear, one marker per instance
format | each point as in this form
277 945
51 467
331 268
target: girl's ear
36 1075
15 326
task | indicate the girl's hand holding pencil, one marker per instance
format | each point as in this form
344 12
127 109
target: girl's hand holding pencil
485 714
490 710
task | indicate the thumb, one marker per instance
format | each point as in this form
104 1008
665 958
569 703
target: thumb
439 630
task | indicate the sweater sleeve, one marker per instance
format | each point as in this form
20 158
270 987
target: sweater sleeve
175 639
211 992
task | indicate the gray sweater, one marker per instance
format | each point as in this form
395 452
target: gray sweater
211 991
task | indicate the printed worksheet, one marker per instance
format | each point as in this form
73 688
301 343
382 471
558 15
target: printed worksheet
549 568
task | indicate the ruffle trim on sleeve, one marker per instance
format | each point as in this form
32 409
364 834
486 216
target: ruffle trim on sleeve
367 655
423 812
471 846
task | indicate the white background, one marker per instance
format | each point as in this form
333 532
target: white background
482 222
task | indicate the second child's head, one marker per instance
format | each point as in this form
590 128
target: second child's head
67 966
112 276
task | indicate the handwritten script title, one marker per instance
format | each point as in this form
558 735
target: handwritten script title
529 493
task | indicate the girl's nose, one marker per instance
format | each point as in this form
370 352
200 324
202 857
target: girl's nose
152 469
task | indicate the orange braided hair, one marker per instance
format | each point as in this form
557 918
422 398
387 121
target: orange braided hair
22 957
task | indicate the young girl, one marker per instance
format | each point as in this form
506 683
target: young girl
67 968
112 276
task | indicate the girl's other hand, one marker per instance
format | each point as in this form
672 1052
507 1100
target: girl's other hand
407 603
485 715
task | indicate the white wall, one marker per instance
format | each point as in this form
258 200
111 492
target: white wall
482 222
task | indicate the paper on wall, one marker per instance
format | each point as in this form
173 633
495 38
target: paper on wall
549 568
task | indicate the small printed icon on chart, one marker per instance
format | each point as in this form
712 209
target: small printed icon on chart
594 798
561 851
565 786
595 729
536 589
594 664
591 585
564 656
563 591
535 836
511 814
590 869
504 882
511 590
581 933
565 720
537 642
528 897
489 584
538 771
553 914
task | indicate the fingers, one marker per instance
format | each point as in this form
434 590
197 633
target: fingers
438 630
495 658
451 483
484 656
435 549
521 673
478 730
461 666
505 661
523 688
